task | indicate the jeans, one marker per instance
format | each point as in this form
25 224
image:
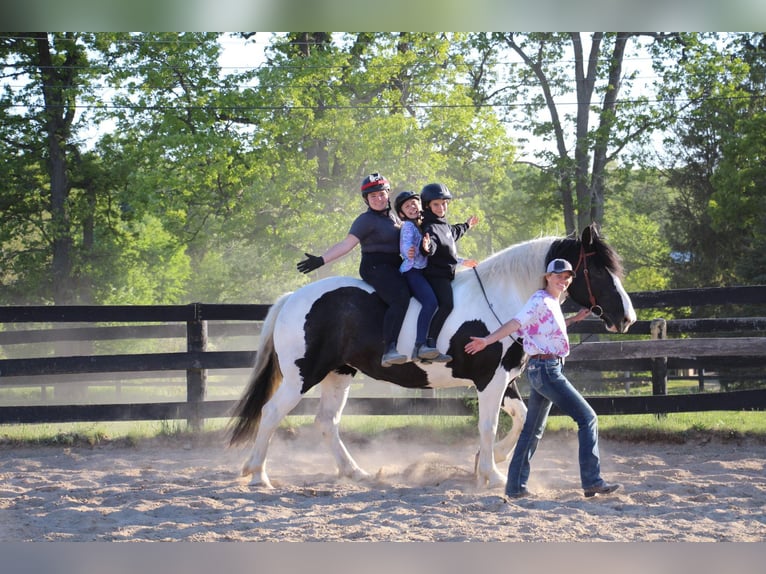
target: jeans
422 291
549 386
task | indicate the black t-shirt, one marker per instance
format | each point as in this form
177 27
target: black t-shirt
377 231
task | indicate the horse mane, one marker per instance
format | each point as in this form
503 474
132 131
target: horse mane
520 268
569 248
521 265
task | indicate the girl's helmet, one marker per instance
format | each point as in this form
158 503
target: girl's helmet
401 198
434 191
374 182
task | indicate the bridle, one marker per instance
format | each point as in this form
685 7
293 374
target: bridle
595 308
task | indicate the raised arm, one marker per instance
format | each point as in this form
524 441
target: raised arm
335 252
480 343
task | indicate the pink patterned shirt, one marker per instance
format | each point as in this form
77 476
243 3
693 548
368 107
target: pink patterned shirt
543 326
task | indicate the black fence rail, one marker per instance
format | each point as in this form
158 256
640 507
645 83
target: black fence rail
744 346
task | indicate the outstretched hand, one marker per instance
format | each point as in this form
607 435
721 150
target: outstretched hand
310 263
477 344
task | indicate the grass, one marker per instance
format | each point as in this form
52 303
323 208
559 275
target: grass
673 427
90 434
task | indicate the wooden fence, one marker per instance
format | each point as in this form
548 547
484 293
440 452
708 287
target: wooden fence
673 346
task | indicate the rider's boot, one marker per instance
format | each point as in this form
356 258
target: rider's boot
429 352
392 356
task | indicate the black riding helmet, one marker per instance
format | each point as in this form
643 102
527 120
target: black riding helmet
434 191
374 182
401 198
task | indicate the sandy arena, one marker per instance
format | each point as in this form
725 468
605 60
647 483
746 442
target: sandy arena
421 491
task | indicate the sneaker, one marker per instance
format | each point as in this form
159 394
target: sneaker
602 488
430 355
423 351
523 493
392 357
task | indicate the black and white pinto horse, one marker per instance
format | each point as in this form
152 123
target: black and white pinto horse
326 331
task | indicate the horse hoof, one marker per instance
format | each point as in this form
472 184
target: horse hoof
261 483
496 480
358 475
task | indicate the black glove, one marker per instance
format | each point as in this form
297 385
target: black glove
312 262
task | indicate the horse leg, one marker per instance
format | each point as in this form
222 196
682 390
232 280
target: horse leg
518 412
277 408
489 402
334 393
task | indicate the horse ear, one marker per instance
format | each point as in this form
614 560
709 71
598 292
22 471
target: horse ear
590 234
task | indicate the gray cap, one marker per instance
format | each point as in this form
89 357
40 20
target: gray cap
560 266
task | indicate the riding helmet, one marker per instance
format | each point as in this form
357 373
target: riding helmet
402 197
374 182
434 191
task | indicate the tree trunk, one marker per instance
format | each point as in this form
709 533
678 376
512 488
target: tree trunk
585 81
58 119
608 115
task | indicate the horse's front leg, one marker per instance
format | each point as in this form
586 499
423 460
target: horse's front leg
487 473
335 389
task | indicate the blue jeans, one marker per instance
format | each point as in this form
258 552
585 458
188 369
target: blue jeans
422 291
549 386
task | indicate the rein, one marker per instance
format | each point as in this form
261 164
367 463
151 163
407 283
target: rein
595 308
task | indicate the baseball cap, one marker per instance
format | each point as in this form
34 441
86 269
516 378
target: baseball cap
560 266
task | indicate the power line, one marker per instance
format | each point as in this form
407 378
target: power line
325 107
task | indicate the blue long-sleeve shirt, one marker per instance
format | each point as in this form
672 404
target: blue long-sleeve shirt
410 236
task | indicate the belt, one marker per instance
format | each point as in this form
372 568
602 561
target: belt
545 357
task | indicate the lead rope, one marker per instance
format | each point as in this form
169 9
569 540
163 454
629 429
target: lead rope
489 304
515 340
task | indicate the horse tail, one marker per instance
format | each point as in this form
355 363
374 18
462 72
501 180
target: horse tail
264 380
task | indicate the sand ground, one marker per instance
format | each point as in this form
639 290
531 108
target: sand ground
700 490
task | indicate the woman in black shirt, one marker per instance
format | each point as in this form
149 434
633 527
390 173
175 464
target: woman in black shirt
377 231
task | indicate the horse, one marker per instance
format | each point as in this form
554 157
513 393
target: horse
326 331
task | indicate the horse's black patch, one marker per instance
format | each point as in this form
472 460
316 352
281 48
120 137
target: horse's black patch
354 340
481 367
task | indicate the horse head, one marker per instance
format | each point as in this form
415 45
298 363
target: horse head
598 282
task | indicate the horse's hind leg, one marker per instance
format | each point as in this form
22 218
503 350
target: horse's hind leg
334 390
516 408
277 408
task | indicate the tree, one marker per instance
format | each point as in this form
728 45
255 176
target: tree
332 108
715 152
551 71
49 72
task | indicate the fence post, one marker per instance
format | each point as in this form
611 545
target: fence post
659 330
196 378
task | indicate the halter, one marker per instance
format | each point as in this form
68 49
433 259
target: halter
595 308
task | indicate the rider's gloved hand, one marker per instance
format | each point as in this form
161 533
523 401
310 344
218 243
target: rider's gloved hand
310 263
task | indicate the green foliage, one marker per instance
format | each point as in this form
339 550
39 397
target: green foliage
210 184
